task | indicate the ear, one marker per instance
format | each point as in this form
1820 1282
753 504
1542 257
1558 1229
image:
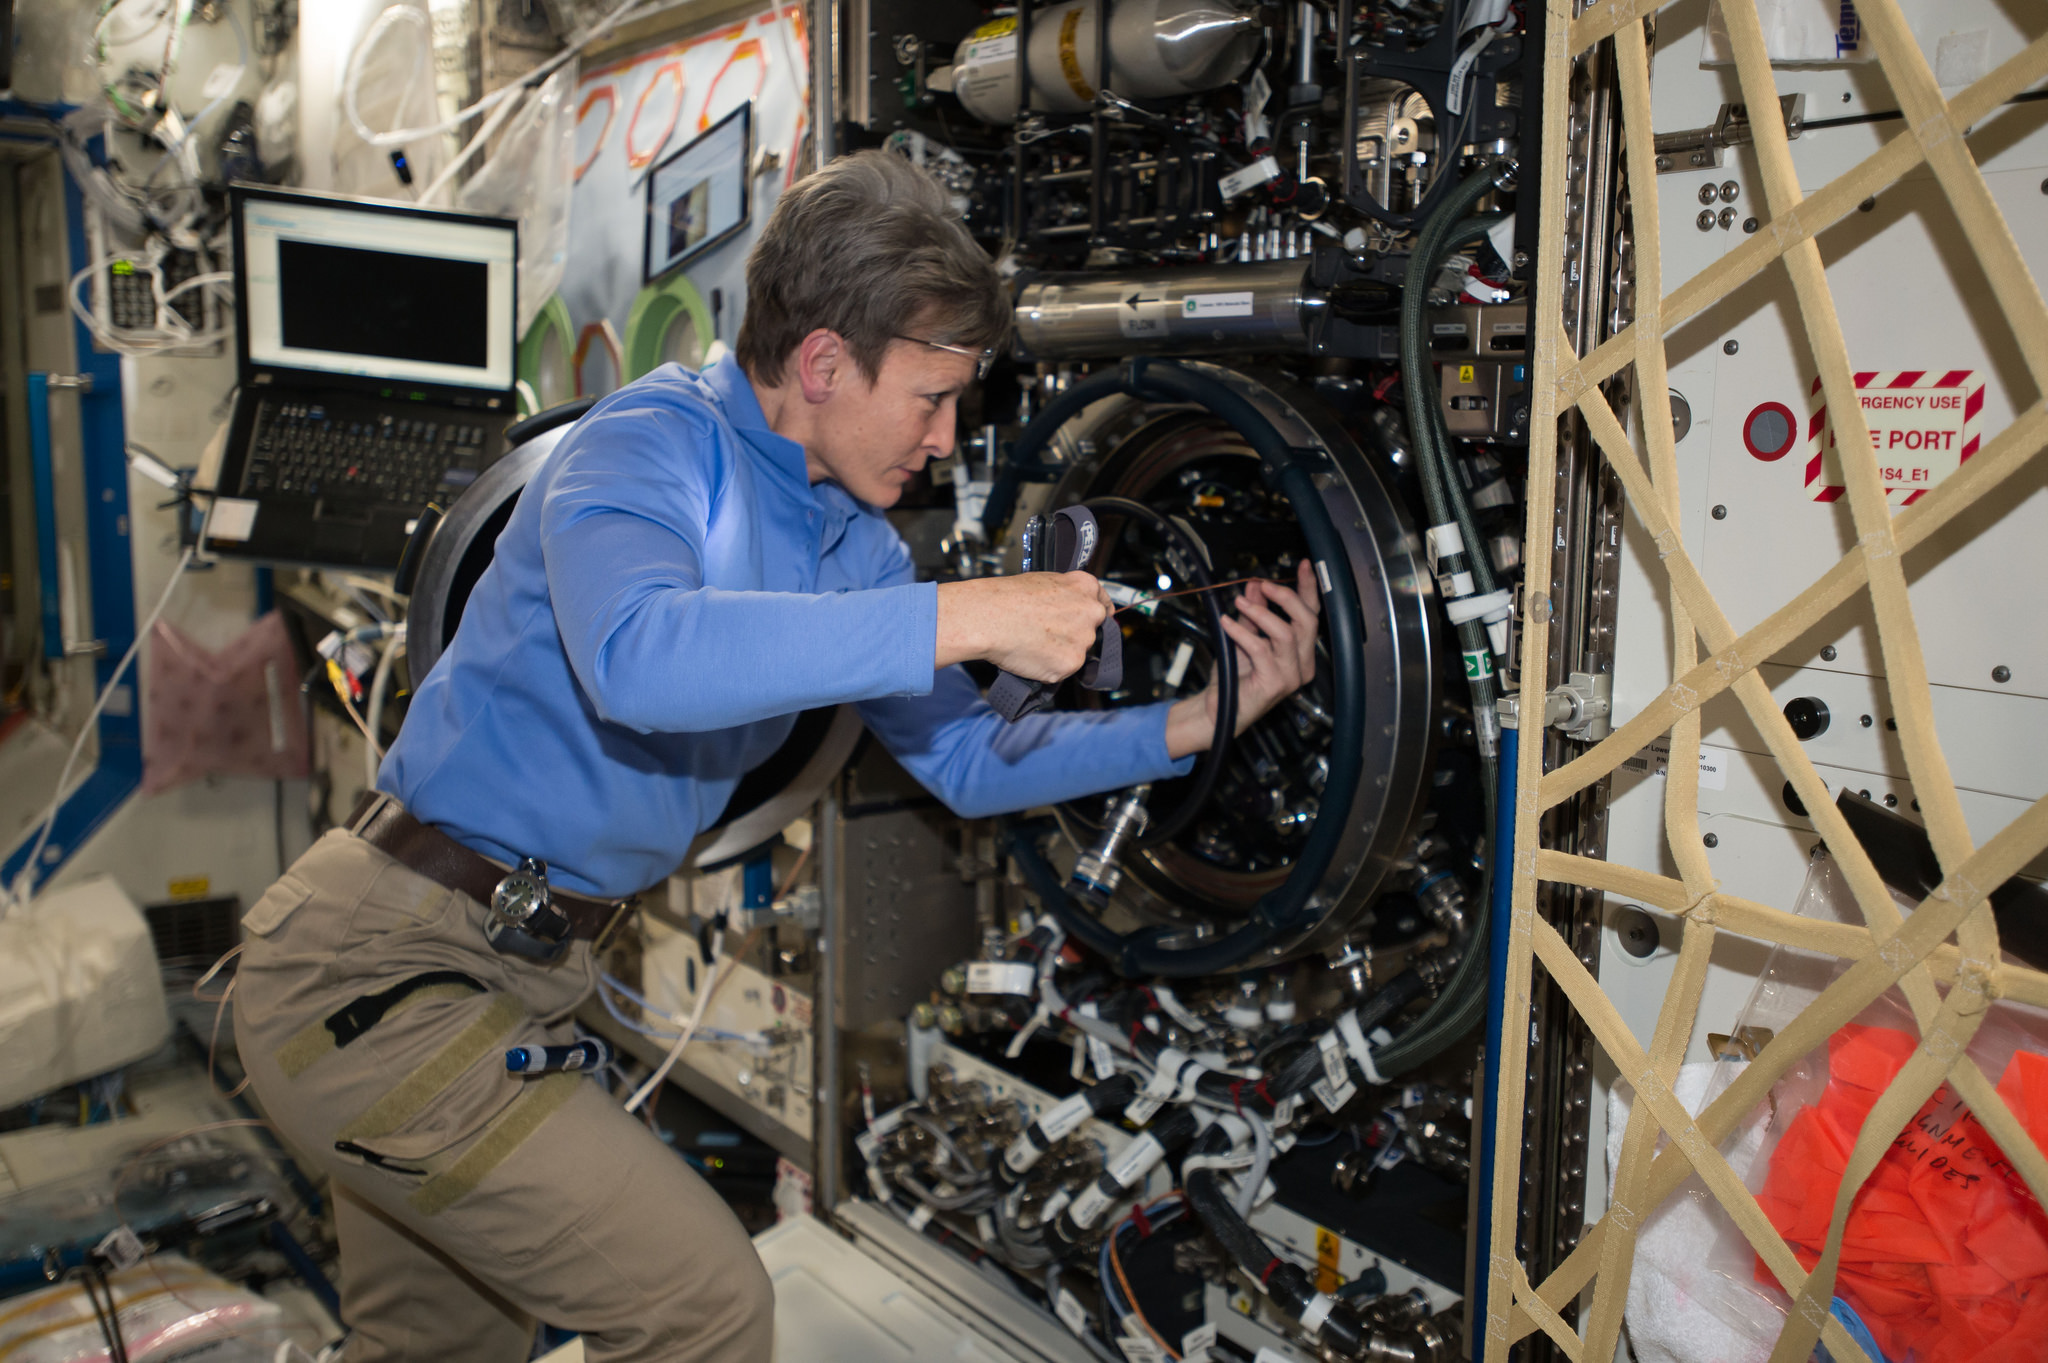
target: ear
823 363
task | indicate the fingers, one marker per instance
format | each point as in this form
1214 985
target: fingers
1255 650
1087 582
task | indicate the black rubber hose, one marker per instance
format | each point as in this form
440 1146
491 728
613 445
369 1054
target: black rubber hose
1284 909
1210 764
1031 441
1286 1283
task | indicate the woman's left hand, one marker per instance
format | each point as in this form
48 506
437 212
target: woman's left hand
1274 628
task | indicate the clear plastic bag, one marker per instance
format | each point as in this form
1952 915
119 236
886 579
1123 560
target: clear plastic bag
169 1310
528 177
1697 1290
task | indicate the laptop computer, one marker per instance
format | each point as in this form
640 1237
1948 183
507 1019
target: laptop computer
375 347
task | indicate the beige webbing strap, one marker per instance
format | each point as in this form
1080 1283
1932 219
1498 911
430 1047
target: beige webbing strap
506 1134
1911 951
423 1085
315 1039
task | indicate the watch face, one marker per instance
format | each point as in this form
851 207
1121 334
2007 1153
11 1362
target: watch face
518 897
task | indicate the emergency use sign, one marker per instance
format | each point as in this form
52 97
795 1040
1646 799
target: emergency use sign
1923 425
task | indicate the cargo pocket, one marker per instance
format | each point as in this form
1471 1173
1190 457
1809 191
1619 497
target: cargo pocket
432 1138
455 1116
443 1155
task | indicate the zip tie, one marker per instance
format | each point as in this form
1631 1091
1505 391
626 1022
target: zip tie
1355 1043
1497 605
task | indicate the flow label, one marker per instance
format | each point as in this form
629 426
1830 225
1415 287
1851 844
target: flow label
1139 315
1923 425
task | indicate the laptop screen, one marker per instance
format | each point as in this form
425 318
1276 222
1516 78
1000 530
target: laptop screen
337 289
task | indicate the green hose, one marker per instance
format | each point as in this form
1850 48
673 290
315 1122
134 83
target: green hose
1461 1004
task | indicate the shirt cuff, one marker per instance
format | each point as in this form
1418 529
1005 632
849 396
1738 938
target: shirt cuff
918 606
1161 767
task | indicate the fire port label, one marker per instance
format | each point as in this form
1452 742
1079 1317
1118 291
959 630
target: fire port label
1923 425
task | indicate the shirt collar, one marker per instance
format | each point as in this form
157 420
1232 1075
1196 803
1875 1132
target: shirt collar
735 392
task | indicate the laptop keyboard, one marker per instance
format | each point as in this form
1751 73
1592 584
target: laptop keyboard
324 450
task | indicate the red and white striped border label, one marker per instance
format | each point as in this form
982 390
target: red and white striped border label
1913 451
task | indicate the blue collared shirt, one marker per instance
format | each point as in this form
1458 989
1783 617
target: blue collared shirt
671 590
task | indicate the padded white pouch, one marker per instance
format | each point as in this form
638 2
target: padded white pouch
80 992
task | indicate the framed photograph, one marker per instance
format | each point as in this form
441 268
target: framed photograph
700 196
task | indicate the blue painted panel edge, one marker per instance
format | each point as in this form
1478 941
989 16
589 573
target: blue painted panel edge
109 548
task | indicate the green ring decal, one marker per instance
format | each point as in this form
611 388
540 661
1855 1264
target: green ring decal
553 320
655 310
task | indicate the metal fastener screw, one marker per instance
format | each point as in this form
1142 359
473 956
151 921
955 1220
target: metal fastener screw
1750 224
1867 204
1891 802
1827 653
1730 191
1727 218
1845 96
1868 721
1711 840
1706 220
1706 194
2001 674
1730 347
1720 513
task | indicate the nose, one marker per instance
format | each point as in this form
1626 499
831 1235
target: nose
939 437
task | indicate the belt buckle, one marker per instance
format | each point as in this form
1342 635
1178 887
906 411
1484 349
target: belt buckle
523 920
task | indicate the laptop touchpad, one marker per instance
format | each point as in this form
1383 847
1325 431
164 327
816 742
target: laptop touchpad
338 536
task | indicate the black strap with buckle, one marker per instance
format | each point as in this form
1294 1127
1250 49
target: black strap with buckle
1074 537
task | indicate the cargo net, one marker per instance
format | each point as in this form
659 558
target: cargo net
1943 954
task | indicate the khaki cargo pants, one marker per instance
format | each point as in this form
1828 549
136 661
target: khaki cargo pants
470 1202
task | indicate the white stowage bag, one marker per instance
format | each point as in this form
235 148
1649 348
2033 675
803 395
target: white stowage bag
80 992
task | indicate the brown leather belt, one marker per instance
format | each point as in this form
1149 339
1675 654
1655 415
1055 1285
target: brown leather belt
381 821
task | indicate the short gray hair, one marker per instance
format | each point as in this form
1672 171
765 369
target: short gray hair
868 247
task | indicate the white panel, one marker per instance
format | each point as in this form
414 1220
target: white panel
1910 296
834 1302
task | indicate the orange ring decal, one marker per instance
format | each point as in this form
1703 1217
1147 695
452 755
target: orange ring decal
750 47
796 146
598 331
637 159
611 112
